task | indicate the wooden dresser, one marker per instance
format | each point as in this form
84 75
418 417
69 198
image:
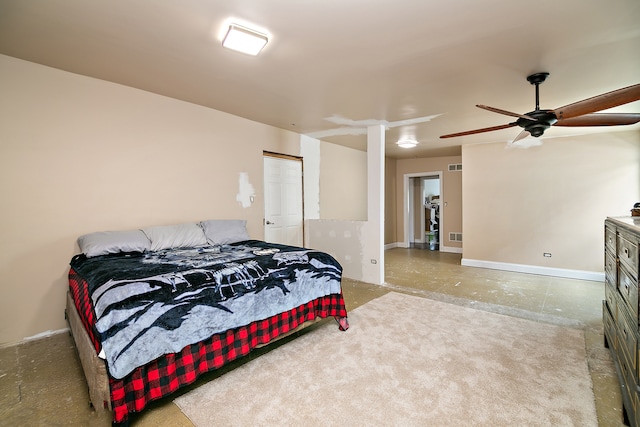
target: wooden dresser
620 308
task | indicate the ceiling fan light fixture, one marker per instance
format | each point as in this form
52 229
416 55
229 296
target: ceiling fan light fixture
537 131
407 143
245 40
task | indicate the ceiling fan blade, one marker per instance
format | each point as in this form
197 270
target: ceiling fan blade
471 132
506 113
522 135
599 102
524 140
601 119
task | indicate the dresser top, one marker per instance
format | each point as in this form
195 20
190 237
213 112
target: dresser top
632 223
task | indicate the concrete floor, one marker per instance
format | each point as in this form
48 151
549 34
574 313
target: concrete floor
41 382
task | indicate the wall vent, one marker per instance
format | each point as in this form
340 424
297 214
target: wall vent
455 237
457 167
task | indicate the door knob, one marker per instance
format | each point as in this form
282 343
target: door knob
270 223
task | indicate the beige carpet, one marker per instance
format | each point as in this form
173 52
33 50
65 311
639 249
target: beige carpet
409 361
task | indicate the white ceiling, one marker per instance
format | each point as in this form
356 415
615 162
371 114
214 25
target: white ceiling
358 61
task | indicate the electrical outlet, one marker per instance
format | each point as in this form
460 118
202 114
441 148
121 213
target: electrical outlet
547 254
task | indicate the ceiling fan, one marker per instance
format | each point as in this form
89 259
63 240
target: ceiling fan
581 113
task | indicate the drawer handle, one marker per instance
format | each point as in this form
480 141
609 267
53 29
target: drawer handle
626 252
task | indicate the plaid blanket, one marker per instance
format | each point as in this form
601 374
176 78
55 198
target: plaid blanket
168 372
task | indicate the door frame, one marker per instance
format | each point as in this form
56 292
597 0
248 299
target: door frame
284 157
406 205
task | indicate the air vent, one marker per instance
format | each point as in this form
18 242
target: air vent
455 237
457 167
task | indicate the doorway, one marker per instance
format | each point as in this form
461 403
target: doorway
283 200
422 213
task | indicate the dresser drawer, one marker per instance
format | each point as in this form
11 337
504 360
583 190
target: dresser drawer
610 267
628 375
610 330
628 252
610 238
628 288
611 300
627 338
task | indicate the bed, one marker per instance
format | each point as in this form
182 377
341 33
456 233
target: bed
151 310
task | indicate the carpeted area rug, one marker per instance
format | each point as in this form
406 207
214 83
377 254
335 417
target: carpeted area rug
409 361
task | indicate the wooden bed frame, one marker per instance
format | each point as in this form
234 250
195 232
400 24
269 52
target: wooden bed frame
95 368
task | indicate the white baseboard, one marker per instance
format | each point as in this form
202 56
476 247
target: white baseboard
535 269
517 268
449 249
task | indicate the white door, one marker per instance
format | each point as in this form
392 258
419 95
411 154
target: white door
283 201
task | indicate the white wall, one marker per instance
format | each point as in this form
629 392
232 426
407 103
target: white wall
522 203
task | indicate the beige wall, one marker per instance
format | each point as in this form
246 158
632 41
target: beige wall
343 183
390 188
451 197
79 155
521 203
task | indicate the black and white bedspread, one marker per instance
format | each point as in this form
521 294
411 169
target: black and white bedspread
157 303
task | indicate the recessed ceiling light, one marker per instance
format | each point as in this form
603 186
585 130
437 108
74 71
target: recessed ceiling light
407 143
244 39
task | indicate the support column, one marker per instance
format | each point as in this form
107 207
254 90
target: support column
373 230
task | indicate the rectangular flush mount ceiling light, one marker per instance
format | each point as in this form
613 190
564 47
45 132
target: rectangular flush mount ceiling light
244 39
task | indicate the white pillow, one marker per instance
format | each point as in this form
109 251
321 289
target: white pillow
187 235
225 231
111 242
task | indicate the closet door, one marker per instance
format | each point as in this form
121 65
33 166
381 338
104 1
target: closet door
283 209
